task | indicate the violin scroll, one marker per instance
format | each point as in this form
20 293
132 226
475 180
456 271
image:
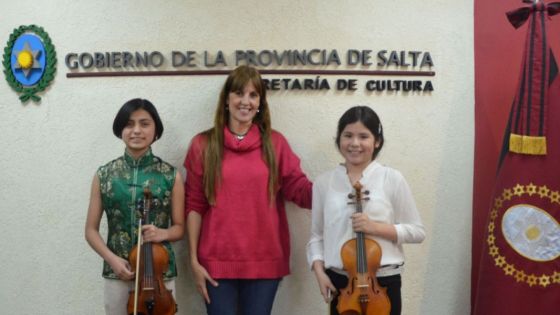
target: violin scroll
357 197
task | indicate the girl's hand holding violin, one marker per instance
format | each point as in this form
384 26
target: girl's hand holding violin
122 268
362 223
325 284
151 233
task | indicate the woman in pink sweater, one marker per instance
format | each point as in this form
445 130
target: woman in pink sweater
239 173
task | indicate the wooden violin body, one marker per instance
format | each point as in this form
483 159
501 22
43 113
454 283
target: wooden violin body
150 297
363 295
361 258
153 297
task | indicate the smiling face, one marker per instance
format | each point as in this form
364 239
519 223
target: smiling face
139 133
242 106
357 144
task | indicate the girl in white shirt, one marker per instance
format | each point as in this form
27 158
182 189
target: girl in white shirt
389 217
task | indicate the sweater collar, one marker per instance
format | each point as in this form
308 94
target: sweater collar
144 160
251 141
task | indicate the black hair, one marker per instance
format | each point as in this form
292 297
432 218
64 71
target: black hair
366 116
122 117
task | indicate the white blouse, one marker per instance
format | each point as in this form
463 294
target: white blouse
390 201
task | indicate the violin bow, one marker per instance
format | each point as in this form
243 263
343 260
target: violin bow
140 240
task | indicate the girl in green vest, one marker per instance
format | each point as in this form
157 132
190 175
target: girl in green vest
116 190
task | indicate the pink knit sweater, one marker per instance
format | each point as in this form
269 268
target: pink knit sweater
245 236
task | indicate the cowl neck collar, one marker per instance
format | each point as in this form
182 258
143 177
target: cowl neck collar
251 141
144 160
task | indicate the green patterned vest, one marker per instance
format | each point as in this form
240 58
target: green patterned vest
122 182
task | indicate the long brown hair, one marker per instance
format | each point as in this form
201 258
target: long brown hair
213 153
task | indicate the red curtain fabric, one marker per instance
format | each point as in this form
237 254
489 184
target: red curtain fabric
516 202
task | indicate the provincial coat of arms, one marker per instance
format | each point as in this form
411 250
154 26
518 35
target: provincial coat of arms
29 61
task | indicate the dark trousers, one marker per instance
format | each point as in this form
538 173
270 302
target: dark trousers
392 283
242 296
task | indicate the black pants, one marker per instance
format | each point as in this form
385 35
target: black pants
392 283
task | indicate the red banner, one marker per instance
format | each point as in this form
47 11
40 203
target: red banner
516 232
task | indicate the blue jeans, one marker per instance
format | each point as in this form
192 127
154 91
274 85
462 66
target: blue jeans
242 296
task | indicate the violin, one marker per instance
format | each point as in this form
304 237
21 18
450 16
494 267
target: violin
361 258
150 296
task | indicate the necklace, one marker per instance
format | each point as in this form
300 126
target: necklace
239 136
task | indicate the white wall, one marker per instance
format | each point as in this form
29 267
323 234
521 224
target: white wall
51 150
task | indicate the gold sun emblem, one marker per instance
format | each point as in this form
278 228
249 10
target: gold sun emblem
532 232
27 59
